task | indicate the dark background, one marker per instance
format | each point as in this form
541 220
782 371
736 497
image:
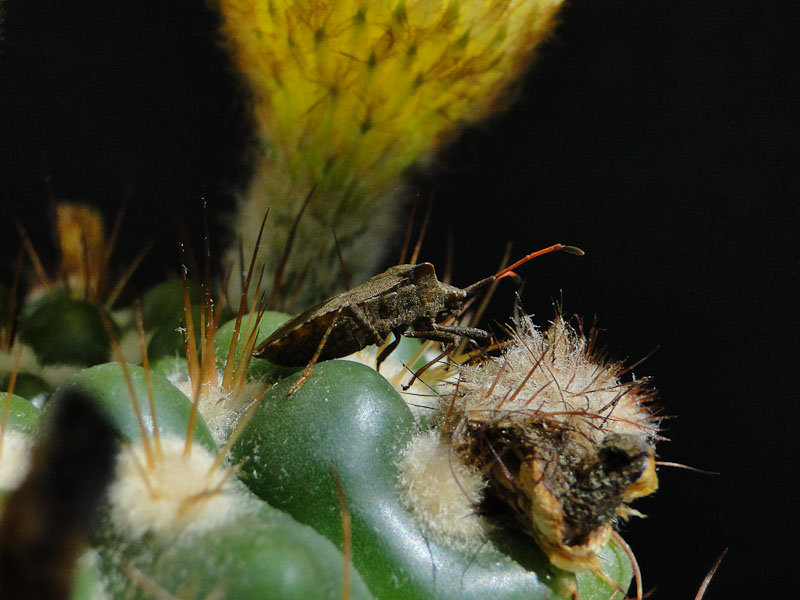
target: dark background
660 136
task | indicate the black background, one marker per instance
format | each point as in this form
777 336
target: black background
661 137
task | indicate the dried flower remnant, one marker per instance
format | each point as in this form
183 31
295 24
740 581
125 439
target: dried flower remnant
85 250
82 242
563 442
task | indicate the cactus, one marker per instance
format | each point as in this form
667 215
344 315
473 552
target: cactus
347 95
497 473
224 485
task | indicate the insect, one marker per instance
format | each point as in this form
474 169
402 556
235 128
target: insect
404 300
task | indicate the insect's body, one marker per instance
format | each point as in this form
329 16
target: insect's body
403 297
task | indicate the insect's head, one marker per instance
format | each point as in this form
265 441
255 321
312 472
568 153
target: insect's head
453 299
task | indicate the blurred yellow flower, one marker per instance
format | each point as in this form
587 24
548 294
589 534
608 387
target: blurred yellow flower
348 94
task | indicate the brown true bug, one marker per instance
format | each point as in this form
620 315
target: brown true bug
403 297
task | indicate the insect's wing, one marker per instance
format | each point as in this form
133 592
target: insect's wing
263 349
301 335
383 283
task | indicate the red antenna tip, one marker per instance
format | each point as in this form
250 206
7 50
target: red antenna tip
554 248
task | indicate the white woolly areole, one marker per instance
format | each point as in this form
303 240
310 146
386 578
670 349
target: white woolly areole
421 398
553 374
15 460
219 407
441 491
54 375
176 495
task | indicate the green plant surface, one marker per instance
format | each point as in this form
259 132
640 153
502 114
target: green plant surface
614 561
22 415
347 419
167 338
263 553
163 304
171 365
29 386
107 386
63 330
87 579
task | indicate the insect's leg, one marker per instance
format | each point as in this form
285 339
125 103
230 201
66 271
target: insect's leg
354 311
445 337
450 340
315 358
389 349
423 368
472 333
448 335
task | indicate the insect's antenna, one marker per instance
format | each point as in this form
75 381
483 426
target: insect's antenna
509 270
488 296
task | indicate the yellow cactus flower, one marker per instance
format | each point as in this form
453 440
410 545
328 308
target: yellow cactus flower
348 94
